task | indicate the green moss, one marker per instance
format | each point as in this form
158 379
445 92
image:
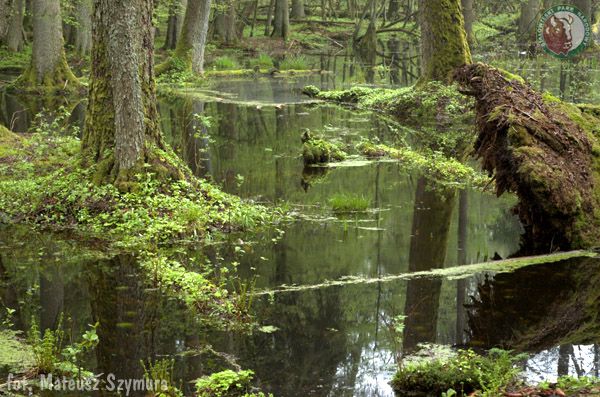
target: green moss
435 166
319 151
463 371
512 77
432 103
15 355
444 41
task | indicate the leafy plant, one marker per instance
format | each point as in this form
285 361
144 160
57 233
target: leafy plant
224 384
159 374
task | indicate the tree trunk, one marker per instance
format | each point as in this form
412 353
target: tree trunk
83 30
48 66
469 15
175 23
282 19
191 44
122 131
269 18
297 9
444 45
527 24
225 24
544 150
15 38
5 11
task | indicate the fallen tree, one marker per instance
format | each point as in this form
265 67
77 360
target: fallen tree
544 150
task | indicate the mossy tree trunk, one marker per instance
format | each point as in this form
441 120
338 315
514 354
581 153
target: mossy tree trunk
281 26
48 68
122 132
444 45
191 44
544 150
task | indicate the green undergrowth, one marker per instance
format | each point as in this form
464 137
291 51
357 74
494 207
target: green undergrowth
14 61
43 186
437 371
15 355
436 166
228 383
432 102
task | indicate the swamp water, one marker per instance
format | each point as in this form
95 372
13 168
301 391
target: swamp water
322 338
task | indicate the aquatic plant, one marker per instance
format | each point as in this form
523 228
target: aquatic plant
225 63
263 61
343 202
297 62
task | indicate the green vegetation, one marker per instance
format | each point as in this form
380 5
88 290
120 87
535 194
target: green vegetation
227 383
297 62
160 374
44 186
343 203
15 355
464 372
14 61
432 102
225 63
263 61
439 169
320 151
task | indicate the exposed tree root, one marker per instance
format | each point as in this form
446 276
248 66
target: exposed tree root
543 150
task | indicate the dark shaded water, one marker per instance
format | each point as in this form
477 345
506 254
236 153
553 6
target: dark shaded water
330 341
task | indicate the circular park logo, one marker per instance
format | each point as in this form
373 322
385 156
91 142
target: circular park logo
564 31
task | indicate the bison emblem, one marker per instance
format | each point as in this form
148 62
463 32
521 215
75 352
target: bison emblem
558 34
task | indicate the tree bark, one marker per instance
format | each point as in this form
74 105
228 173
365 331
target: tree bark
48 66
469 15
15 38
444 45
297 9
83 30
175 23
122 131
191 44
542 149
282 19
527 23
225 24
269 18
5 11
